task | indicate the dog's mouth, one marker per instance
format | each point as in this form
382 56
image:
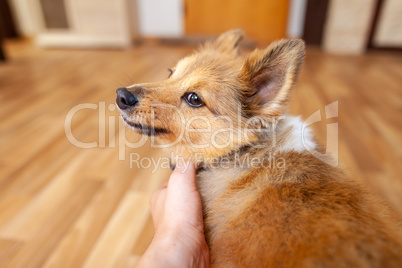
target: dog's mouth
145 129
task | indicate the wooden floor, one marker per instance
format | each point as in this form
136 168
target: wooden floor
65 206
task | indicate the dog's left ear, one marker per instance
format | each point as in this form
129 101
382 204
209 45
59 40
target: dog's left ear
269 75
229 41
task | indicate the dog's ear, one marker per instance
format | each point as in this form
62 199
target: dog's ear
229 41
269 75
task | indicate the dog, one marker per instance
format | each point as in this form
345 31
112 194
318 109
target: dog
267 201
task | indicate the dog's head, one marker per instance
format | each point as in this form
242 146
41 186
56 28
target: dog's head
214 101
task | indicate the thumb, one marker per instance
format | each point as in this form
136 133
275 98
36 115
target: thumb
183 176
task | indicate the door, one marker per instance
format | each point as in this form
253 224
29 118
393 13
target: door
262 20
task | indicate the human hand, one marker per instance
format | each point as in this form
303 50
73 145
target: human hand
179 239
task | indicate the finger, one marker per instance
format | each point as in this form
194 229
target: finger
156 195
157 205
183 176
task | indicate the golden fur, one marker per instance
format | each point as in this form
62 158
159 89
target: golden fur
290 210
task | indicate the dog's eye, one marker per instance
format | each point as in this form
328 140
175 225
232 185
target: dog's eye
193 99
170 72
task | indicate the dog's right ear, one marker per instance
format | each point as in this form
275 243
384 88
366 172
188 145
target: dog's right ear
229 41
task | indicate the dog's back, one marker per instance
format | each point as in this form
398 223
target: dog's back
306 214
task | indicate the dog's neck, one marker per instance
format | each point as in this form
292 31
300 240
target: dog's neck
294 135
289 134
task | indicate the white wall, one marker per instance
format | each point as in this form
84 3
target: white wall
389 27
161 18
296 16
27 13
348 25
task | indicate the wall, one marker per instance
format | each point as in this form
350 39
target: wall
161 18
348 25
389 28
297 12
26 13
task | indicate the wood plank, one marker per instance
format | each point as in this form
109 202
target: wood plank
127 224
40 245
81 238
8 249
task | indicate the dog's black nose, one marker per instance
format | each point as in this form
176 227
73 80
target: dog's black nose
125 99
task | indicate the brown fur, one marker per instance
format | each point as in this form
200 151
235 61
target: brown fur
293 210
